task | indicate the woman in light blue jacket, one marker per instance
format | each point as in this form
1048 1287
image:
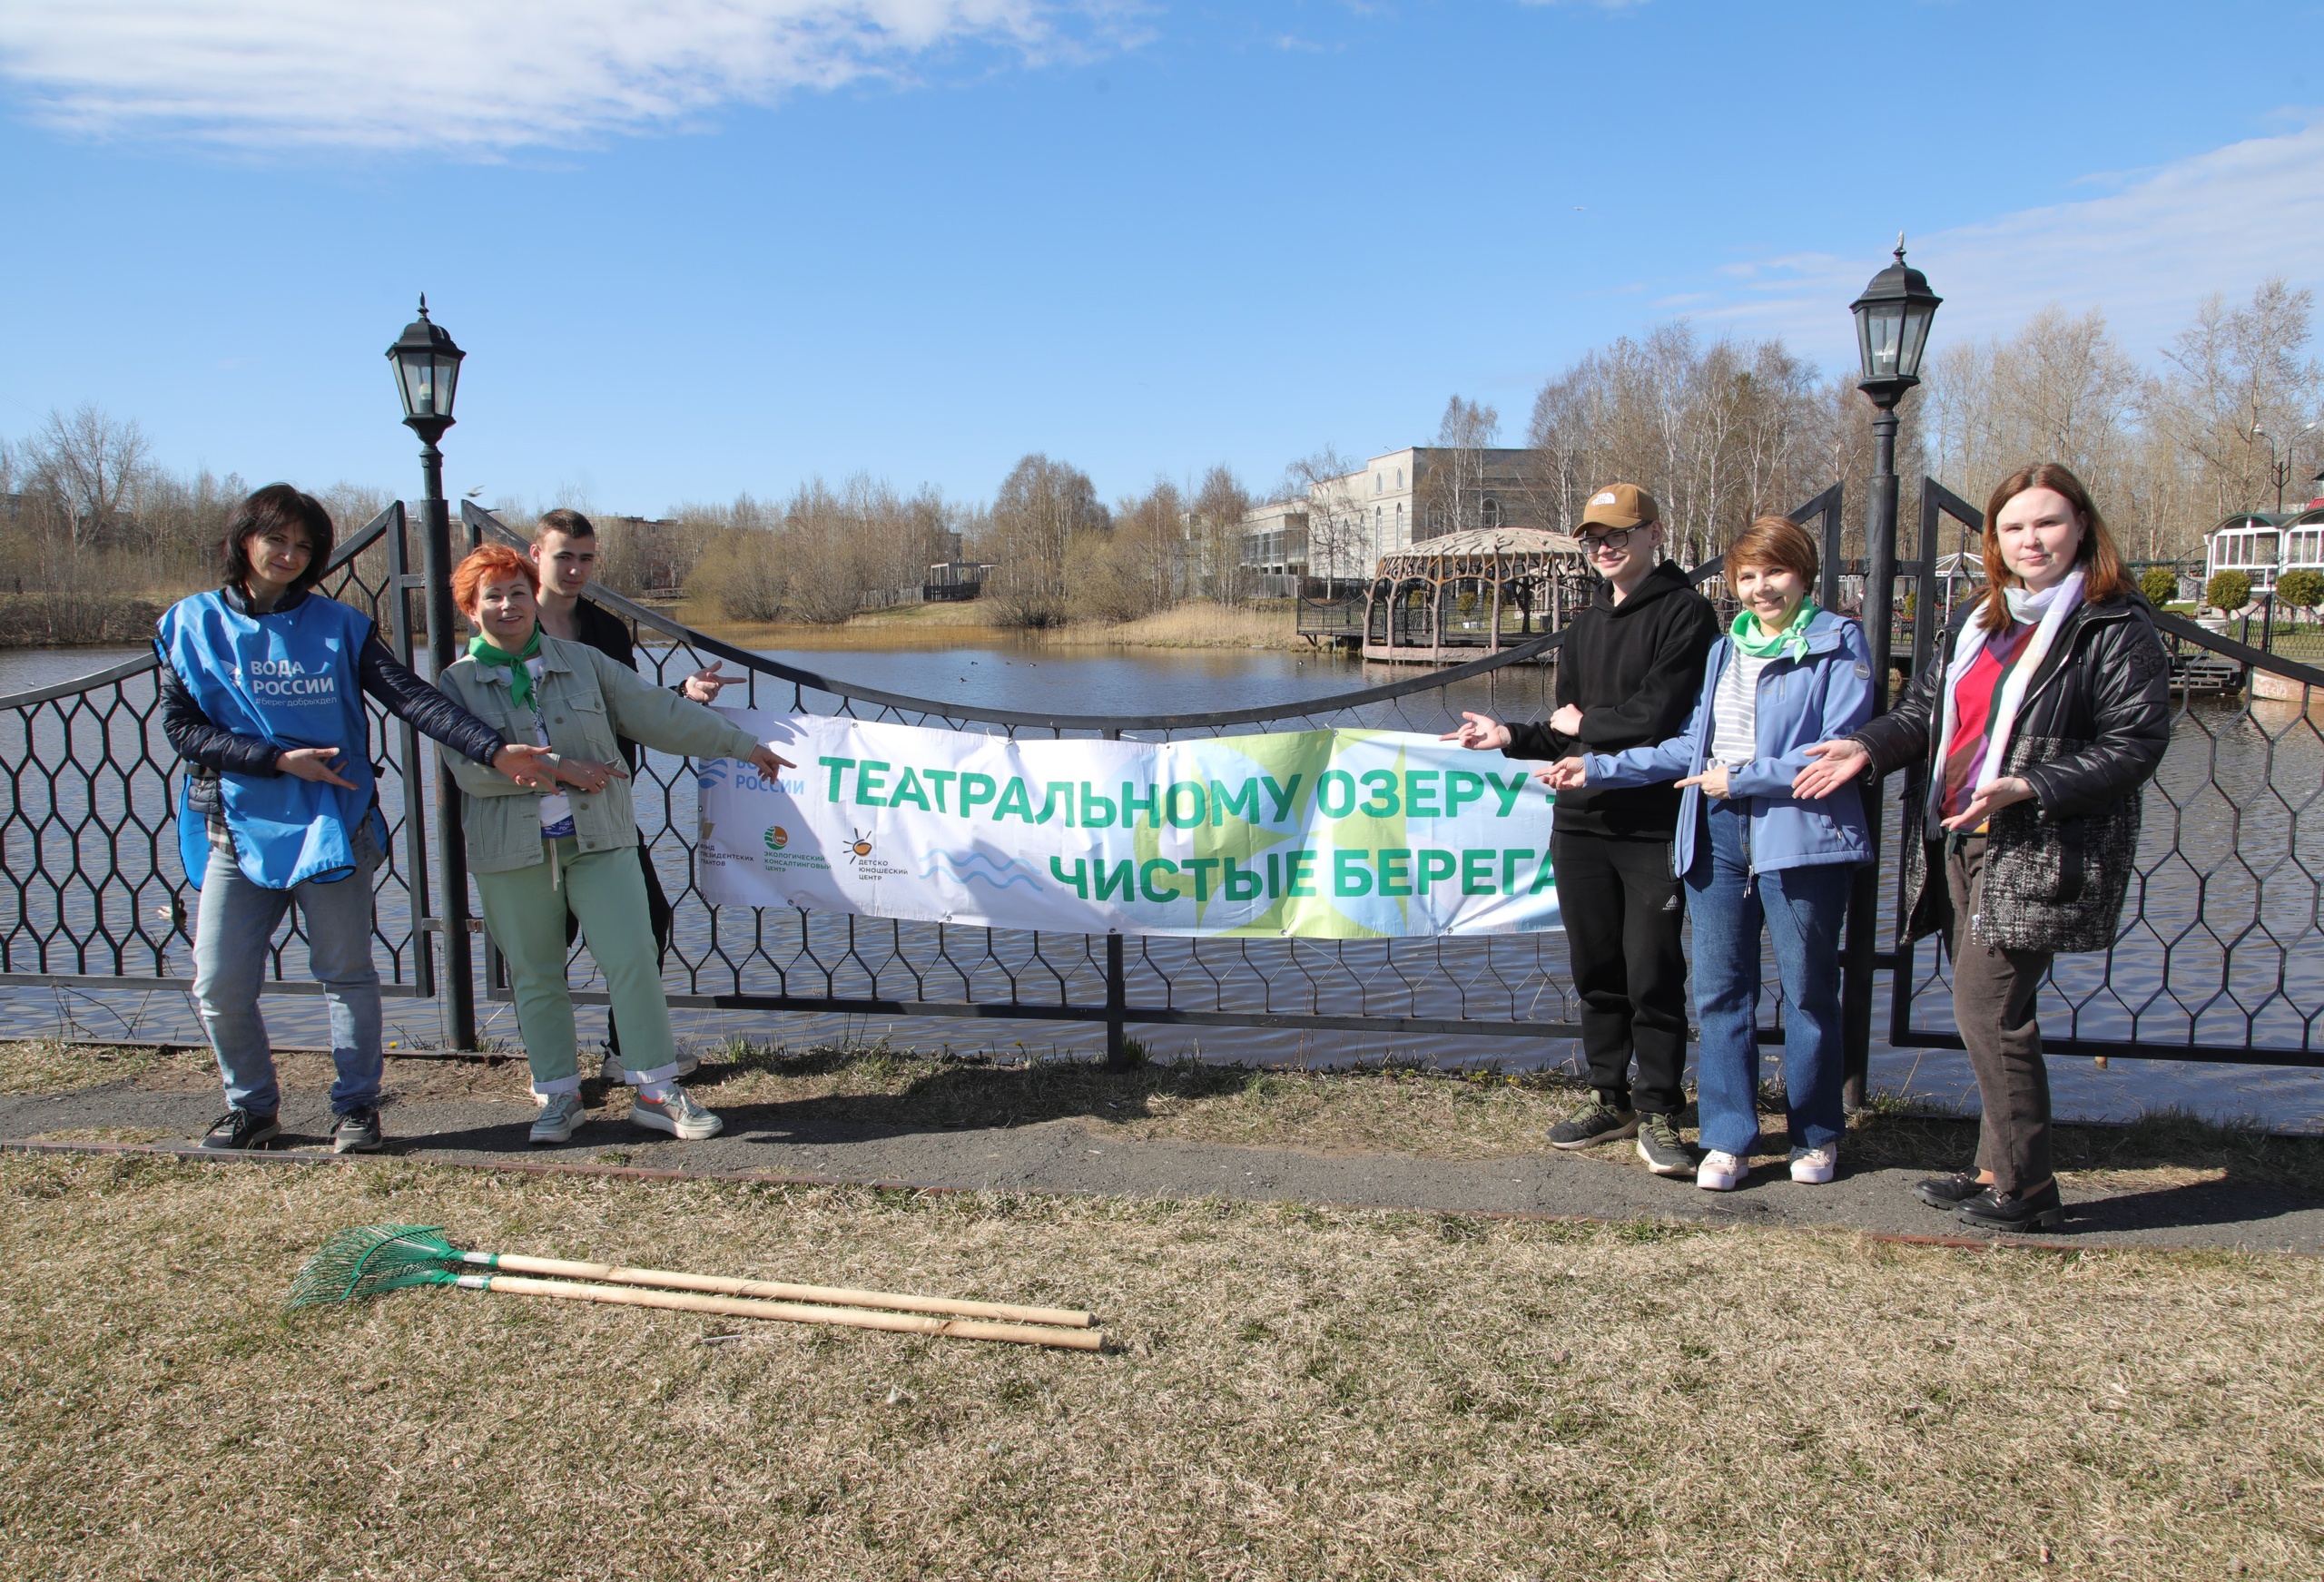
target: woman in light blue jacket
1787 676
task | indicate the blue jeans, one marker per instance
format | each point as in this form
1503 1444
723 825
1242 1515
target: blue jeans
232 930
1802 909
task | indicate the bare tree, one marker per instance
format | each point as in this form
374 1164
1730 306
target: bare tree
1042 505
1719 433
1336 538
1215 530
97 462
1455 486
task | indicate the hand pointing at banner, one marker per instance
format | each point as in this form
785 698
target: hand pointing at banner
768 763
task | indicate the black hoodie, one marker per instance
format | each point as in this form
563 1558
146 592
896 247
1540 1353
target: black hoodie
1634 670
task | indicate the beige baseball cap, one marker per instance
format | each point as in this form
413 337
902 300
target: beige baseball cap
1620 505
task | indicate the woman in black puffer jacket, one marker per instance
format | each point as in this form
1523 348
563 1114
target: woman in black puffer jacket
2033 741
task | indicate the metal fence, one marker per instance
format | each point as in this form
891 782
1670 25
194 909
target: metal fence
2220 960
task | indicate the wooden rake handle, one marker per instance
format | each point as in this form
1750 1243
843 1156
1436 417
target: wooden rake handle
794 1312
775 1291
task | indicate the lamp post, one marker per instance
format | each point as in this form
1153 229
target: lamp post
2280 463
428 376
1892 320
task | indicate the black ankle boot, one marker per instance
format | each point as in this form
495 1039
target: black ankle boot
1949 1192
2039 1209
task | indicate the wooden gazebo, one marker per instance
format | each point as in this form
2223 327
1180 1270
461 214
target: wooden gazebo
1445 599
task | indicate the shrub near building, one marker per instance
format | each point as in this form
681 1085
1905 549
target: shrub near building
2300 589
2228 591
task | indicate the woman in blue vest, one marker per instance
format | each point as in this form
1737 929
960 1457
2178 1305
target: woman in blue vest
262 688
1755 856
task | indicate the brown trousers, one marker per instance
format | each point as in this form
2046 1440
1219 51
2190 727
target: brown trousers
1993 1005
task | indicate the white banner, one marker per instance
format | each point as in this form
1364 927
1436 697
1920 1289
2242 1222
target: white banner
1321 834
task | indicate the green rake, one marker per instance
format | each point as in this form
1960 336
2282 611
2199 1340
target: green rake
360 1263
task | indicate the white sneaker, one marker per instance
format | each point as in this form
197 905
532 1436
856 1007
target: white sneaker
677 1114
1721 1172
611 1069
1815 1167
561 1112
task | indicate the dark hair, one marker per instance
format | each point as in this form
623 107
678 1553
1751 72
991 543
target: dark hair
2103 576
276 508
570 523
1777 541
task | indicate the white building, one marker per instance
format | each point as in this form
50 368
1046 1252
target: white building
1345 524
2264 545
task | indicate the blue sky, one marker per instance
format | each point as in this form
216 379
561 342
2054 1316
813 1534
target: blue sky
699 246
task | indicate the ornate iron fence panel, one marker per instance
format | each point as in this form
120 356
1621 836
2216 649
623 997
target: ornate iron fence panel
777 959
2219 957
2220 952
89 873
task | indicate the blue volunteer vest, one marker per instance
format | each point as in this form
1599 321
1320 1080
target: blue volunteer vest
291 678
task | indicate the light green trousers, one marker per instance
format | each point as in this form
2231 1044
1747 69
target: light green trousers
526 911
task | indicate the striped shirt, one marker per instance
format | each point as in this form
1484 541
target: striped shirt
1735 711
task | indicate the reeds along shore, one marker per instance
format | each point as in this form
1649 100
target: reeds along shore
1196 624
76 620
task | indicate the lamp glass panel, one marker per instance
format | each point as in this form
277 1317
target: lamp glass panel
448 383
1917 315
1884 339
411 382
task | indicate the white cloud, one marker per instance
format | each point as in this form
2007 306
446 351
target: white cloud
2146 254
479 76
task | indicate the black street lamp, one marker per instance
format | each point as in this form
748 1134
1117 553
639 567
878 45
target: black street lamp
2279 462
428 378
1892 321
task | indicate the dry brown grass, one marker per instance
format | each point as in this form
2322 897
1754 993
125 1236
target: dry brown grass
1196 624
1298 1393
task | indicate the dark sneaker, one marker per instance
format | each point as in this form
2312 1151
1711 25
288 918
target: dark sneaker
1949 1192
358 1131
1598 1121
238 1129
1993 1210
1658 1145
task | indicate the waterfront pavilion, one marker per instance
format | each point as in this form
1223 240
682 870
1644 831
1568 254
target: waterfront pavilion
1458 596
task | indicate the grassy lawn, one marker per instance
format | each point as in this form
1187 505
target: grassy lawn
1295 1393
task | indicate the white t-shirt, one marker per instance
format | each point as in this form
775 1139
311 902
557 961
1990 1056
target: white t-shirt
1735 711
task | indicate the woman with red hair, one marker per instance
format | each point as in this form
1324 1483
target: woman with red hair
2037 737
538 859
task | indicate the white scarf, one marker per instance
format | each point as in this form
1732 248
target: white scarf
2052 607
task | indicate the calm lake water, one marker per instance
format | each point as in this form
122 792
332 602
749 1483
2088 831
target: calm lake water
2215 801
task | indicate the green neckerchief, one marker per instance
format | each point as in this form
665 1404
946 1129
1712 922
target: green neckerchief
1792 639
520 676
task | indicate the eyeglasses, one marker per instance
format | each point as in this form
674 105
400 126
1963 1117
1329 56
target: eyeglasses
1591 542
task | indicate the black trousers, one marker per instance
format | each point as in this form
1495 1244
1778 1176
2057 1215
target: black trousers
1994 992
1622 908
658 917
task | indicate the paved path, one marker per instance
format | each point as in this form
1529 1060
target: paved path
1069 1156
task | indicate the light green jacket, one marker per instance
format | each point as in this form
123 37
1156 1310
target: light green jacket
586 699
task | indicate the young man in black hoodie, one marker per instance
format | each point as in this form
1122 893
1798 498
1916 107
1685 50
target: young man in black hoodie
1627 673
565 550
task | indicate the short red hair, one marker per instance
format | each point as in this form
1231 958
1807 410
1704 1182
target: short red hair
1776 541
492 561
